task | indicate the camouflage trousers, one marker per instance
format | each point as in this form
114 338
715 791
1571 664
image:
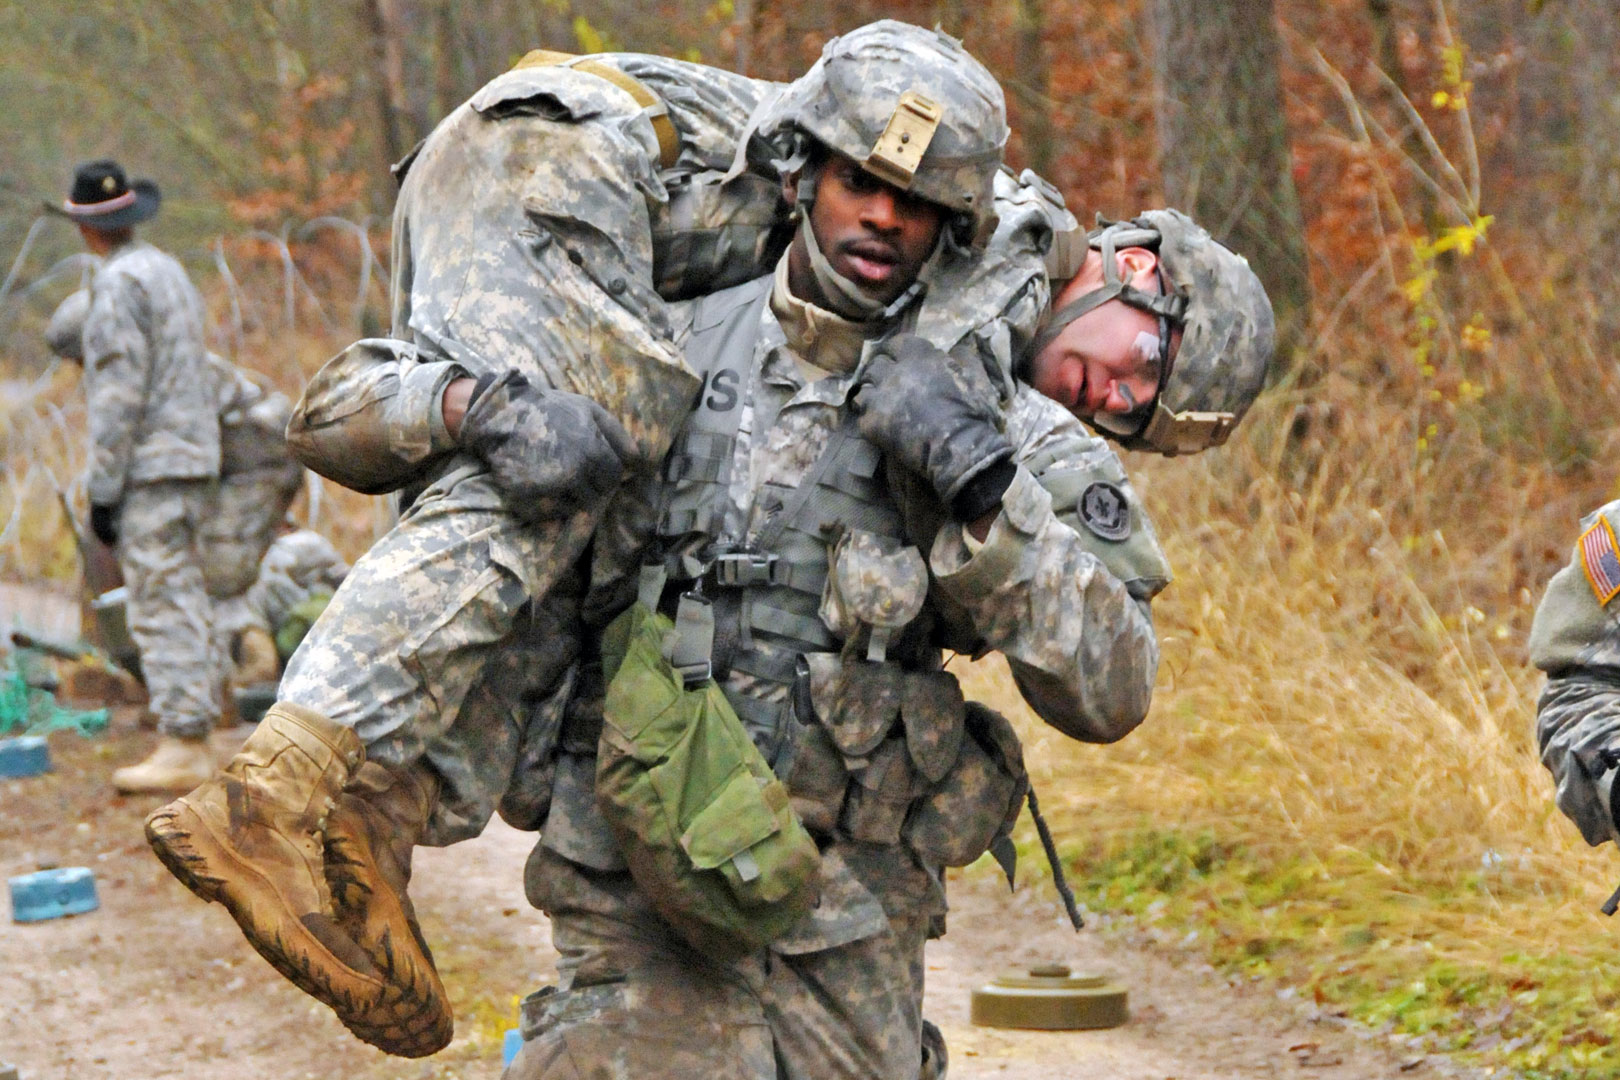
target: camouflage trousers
241 525
169 611
431 650
636 1002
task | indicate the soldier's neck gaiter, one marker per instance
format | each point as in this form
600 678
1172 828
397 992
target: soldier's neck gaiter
820 339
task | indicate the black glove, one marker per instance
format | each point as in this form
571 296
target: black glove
104 523
919 411
550 452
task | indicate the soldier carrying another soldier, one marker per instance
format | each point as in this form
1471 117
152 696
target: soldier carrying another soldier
1084 653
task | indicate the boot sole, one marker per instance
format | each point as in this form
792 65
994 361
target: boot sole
187 847
413 973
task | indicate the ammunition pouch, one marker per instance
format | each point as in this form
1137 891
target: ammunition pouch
879 795
886 756
978 800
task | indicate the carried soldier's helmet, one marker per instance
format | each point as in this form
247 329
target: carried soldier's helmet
911 106
1228 332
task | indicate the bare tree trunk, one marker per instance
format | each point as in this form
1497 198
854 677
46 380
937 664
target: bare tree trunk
446 93
1223 142
1034 85
388 48
742 24
1387 55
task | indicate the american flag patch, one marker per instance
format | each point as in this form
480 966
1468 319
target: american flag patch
1601 560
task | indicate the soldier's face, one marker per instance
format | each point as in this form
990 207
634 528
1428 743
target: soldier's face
1108 361
871 232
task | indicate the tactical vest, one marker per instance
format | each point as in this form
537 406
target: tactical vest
875 743
767 596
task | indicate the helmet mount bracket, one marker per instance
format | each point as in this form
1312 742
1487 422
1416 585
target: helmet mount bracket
899 151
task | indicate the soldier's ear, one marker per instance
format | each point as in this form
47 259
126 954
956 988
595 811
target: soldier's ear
790 188
1136 266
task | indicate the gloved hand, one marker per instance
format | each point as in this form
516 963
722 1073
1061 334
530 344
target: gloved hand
550 452
104 523
916 410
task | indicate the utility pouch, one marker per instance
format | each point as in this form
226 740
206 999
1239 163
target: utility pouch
702 821
934 715
876 582
876 803
978 800
816 784
858 703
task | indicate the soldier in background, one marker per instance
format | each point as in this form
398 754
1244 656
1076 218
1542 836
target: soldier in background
296 578
1575 639
258 480
154 461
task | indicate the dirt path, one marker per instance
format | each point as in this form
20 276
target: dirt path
157 984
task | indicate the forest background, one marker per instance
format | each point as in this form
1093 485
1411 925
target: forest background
1338 788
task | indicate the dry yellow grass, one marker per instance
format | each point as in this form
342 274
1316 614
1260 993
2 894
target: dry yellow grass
1345 708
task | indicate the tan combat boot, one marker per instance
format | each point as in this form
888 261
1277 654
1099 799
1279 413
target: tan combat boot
378 820
256 659
253 839
176 765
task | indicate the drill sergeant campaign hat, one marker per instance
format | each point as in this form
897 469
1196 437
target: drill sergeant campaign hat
910 106
103 197
1228 332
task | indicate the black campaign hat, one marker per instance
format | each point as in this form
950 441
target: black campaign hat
103 197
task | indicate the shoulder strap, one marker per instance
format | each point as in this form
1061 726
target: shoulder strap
669 140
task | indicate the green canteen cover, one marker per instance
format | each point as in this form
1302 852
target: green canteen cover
699 816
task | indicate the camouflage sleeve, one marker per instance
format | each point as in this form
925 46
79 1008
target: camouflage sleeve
117 369
1090 492
1080 646
995 302
1576 640
372 416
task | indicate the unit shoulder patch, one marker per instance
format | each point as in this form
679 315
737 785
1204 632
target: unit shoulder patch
1601 560
1106 512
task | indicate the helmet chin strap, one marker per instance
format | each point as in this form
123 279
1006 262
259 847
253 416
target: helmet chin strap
843 296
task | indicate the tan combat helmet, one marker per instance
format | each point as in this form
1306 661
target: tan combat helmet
912 107
65 333
1228 333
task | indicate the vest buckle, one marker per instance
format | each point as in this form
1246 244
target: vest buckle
742 569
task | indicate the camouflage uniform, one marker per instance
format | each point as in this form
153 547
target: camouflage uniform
1576 640
259 478
841 995
258 475
155 453
299 565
